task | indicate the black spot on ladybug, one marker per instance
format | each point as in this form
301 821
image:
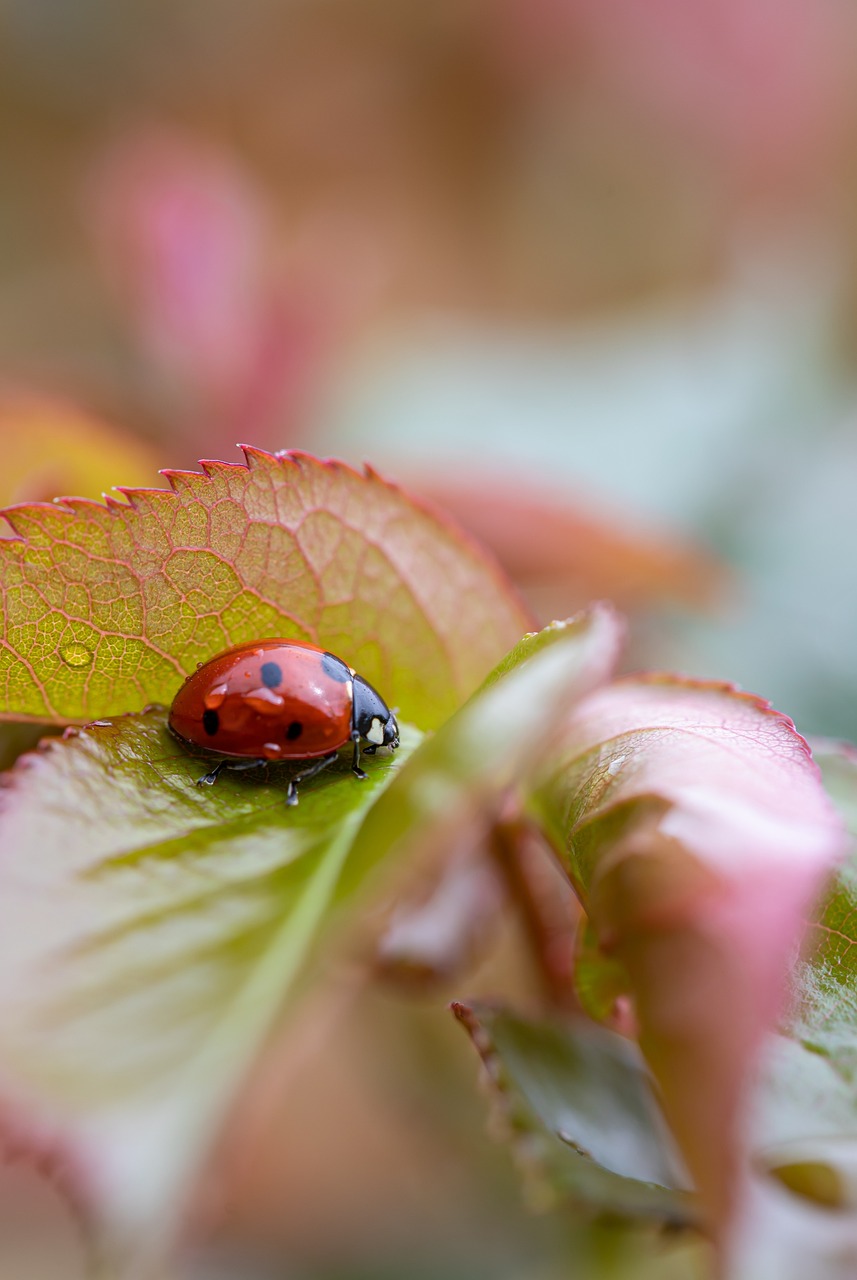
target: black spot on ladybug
294 730
335 668
210 721
272 674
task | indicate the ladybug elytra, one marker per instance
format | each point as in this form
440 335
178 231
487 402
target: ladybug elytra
280 700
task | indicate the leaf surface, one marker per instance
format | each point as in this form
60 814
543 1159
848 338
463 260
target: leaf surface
450 795
693 824
149 933
805 1121
106 608
579 1105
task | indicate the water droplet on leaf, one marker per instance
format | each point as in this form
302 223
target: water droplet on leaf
76 655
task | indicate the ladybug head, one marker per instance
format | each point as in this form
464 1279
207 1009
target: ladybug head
371 716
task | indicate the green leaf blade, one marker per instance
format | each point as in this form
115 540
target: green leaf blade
579 1103
805 1113
150 931
500 738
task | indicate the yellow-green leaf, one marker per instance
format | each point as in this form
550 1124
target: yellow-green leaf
107 608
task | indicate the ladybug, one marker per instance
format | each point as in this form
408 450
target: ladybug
279 700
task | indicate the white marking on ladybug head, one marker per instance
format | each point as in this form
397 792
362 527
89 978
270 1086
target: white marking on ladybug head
349 689
375 732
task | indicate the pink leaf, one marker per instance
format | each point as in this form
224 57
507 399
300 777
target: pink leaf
697 833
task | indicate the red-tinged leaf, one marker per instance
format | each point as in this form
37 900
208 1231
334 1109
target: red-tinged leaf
435 939
107 608
692 821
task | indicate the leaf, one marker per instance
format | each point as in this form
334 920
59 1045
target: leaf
824 1014
693 824
805 1122
106 609
436 938
448 802
450 795
600 980
579 1103
149 933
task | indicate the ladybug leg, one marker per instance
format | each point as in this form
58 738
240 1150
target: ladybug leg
370 751
304 775
209 779
355 759
234 766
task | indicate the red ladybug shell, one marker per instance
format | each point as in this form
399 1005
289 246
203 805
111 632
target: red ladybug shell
273 700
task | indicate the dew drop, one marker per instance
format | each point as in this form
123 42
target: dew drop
76 655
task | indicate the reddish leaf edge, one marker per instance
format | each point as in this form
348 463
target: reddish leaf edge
705 684
527 1157
192 483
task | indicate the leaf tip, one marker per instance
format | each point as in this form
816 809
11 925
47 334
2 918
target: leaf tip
257 459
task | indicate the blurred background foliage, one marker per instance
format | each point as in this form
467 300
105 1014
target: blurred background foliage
585 274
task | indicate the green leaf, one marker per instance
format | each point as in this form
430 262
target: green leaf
825 1012
453 786
447 800
579 1104
106 608
598 632
149 933
600 980
805 1122
150 930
